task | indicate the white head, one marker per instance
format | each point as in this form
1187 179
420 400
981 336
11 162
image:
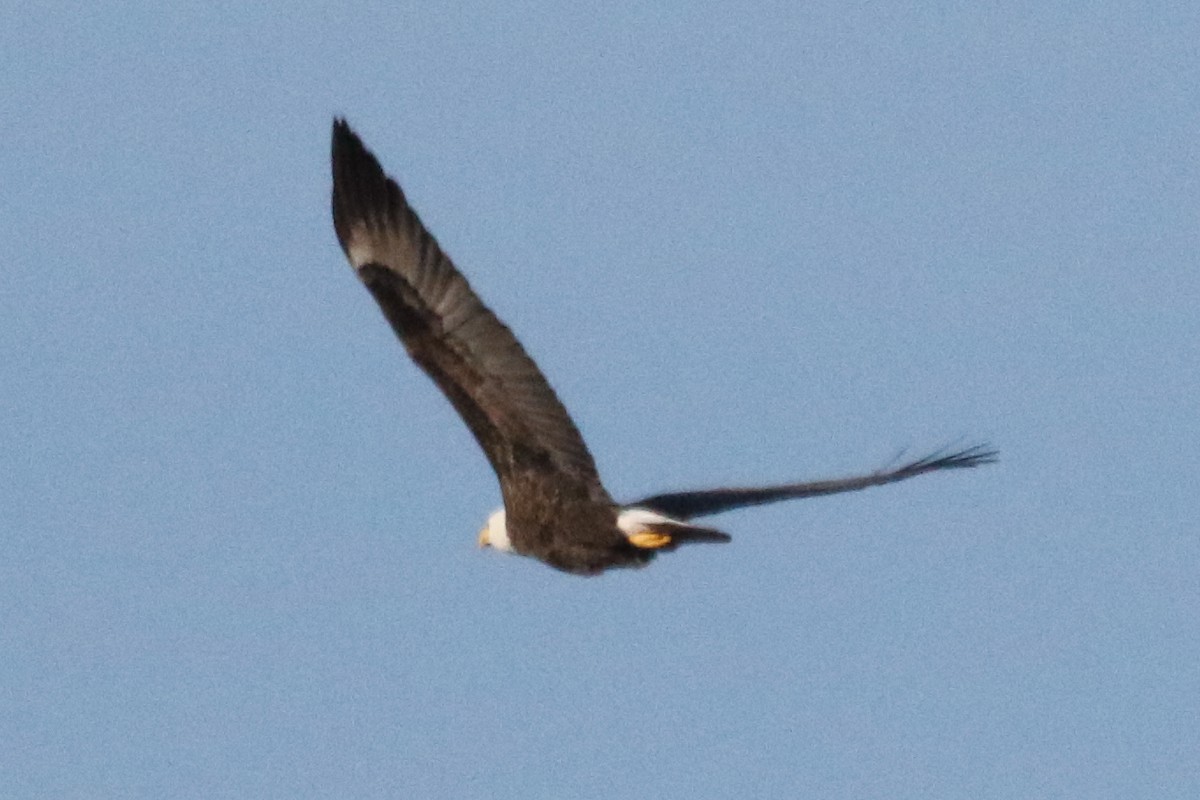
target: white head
495 533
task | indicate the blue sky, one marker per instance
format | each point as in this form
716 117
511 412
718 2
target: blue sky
747 244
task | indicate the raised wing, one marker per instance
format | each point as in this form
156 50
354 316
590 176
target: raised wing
470 354
685 505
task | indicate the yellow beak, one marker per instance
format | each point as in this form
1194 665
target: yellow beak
484 539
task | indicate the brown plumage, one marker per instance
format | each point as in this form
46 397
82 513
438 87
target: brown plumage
556 508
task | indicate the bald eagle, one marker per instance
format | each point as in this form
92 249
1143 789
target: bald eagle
555 507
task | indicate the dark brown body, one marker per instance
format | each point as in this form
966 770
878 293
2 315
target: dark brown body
569 532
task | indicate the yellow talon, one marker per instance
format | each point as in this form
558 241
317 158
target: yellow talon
649 540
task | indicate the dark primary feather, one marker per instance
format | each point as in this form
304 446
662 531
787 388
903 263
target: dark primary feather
470 354
685 505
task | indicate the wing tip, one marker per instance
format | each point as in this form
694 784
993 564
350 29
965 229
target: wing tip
977 455
344 139
362 192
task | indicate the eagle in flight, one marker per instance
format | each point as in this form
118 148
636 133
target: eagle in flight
555 507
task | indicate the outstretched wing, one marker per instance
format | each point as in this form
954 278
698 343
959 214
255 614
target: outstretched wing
470 354
685 505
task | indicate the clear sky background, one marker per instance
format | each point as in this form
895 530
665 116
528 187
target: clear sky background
747 243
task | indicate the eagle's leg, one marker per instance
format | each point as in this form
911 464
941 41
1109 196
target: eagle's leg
649 540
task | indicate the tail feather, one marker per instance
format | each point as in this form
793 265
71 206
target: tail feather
649 530
685 533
